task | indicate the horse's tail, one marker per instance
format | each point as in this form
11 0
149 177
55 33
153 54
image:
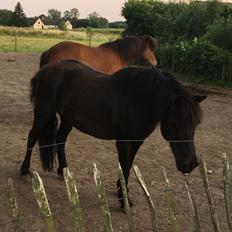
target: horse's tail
44 58
47 135
47 143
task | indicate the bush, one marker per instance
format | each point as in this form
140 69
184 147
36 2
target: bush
199 58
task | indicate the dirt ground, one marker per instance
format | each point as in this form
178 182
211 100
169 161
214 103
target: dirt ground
213 138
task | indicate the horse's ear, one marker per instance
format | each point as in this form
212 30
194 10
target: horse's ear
199 98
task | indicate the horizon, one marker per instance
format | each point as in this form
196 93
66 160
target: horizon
111 10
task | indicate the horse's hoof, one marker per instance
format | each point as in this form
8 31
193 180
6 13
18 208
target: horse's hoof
24 172
60 172
122 203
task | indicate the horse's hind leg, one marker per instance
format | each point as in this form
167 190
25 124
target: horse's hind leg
37 127
32 138
31 141
62 134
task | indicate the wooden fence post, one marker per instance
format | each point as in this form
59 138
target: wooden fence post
213 213
14 207
103 200
74 201
194 210
126 201
41 198
227 192
142 184
170 203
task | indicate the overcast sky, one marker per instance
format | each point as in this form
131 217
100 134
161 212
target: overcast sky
110 9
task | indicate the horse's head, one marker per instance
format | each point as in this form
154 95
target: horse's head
178 127
148 55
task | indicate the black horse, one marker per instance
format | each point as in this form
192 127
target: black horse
125 106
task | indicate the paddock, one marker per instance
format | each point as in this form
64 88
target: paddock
213 138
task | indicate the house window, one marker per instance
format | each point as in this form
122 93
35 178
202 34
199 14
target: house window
39 22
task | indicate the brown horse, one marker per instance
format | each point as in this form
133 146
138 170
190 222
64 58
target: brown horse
118 54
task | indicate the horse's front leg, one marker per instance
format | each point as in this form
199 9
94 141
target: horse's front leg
126 153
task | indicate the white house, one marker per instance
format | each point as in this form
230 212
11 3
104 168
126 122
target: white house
68 25
39 24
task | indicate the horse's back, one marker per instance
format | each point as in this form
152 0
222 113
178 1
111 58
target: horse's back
65 50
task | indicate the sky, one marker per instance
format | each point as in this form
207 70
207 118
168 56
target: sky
110 9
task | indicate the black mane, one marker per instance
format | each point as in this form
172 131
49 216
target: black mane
131 48
152 83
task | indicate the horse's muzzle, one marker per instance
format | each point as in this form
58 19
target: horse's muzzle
187 168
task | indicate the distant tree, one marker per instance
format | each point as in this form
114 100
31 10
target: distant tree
62 26
5 17
74 22
81 22
94 15
96 21
54 14
74 13
67 15
117 24
18 18
31 21
71 14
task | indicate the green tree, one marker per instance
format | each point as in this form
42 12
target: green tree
220 33
62 25
139 17
170 20
75 13
5 17
18 18
54 14
117 24
67 15
96 21
82 23
71 14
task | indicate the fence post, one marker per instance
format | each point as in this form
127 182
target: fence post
227 191
194 209
89 33
170 203
41 198
103 200
14 207
204 177
15 41
126 201
142 184
74 201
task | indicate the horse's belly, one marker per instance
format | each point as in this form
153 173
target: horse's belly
98 130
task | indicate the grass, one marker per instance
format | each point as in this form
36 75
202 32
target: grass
30 40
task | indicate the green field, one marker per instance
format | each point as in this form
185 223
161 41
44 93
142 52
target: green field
30 40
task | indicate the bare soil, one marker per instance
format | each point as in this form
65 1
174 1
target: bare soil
213 138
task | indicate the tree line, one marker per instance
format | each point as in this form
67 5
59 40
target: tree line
18 18
194 38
